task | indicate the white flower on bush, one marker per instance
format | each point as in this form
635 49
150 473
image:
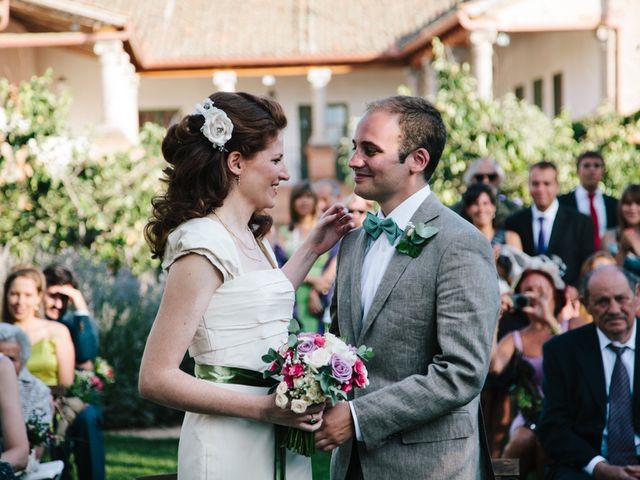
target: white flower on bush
281 400
3 121
318 358
217 126
299 406
56 153
282 388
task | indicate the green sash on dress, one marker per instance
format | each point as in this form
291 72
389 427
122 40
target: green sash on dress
251 378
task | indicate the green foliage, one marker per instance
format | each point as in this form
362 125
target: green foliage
513 132
132 457
58 193
618 139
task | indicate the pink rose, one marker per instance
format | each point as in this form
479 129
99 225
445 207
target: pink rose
296 370
346 387
361 375
319 340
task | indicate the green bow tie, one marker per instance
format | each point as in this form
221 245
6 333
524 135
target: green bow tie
374 227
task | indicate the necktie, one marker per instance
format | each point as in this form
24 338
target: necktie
621 444
594 218
374 227
540 247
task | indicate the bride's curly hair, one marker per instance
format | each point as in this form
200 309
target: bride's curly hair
198 178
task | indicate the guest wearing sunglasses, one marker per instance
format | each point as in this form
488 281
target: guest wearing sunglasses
488 172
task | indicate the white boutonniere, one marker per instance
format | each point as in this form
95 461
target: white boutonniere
415 238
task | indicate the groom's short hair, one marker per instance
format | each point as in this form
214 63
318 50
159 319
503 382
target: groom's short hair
421 126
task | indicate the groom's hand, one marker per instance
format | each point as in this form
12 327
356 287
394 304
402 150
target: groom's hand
337 427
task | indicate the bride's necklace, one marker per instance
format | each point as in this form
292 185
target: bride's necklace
247 248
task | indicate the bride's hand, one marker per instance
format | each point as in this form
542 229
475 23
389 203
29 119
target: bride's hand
309 421
330 228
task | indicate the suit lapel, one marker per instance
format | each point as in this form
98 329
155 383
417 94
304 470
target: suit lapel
399 261
356 274
557 230
591 360
636 382
527 241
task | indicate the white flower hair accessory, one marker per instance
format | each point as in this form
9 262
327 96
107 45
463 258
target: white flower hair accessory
217 126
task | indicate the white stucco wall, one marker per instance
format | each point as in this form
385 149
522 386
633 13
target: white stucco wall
541 55
353 89
81 72
17 64
625 14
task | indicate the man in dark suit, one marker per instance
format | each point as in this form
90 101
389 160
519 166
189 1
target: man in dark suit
590 422
548 228
587 198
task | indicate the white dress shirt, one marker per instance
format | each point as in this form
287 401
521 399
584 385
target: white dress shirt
582 200
377 260
608 361
549 216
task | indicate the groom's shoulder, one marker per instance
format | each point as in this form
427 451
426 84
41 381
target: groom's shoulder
453 227
350 238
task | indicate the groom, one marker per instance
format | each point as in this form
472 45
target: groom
428 314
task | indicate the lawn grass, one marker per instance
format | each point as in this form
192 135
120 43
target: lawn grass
131 457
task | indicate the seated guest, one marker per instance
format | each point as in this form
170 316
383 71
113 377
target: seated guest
624 242
590 421
487 171
15 447
358 207
588 199
35 396
479 206
597 260
63 302
53 361
541 301
548 228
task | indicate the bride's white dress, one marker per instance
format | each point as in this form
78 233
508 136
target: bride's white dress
246 316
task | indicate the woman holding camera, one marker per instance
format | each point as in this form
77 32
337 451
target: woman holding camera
539 296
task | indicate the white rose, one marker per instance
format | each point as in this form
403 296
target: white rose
299 406
298 382
330 340
281 400
282 388
217 126
342 350
318 358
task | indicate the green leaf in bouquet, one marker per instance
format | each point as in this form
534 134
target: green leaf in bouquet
325 382
365 352
294 326
292 341
270 356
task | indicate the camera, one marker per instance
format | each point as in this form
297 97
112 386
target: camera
519 301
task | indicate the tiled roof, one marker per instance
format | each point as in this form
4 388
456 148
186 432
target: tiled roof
200 32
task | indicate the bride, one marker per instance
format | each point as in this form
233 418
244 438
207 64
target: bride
225 300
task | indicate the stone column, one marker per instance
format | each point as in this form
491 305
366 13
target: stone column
320 155
607 39
225 80
319 78
119 89
482 61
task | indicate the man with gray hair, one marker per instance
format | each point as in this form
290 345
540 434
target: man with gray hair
488 171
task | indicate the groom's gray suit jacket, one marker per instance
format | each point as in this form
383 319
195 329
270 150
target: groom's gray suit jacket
430 325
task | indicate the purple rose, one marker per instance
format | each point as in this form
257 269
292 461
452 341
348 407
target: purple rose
340 370
307 345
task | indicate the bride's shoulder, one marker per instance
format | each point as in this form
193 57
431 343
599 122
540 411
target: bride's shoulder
202 236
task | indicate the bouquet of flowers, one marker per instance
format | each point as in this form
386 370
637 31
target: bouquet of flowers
38 431
88 385
314 368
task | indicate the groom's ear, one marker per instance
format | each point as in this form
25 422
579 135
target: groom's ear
419 159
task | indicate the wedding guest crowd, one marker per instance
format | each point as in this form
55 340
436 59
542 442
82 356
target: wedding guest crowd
563 243
46 352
